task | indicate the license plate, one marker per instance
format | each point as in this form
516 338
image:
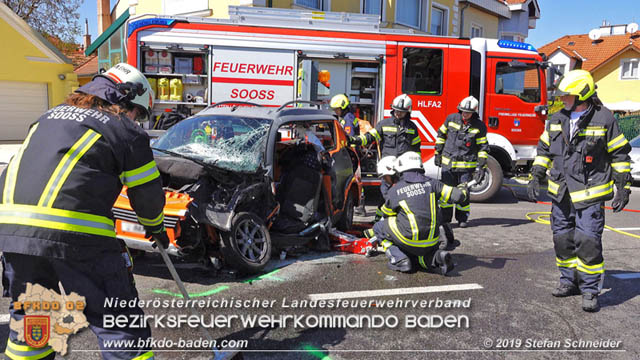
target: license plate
132 227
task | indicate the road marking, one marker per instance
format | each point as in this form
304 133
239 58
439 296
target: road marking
625 229
627 276
4 318
391 292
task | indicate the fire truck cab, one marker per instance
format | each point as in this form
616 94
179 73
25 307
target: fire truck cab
272 56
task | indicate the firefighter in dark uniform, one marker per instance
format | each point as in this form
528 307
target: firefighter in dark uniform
396 135
461 151
409 232
340 105
56 223
586 155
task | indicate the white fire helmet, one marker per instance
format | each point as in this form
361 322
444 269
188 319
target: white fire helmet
409 161
468 104
402 103
139 90
386 166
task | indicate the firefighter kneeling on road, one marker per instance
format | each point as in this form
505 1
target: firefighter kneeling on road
56 224
462 150
409 231
587 155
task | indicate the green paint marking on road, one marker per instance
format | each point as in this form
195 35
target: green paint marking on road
192 295
265 276
316 352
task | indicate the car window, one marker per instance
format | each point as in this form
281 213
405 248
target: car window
326 133
635 142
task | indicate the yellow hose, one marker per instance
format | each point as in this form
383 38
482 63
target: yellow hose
543 218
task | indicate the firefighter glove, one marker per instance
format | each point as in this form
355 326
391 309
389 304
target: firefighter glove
352 140
478 176
159 236
620 200
437 160
533 189
464 190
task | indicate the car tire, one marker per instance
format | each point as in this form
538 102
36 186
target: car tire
346 218
491 183
247 247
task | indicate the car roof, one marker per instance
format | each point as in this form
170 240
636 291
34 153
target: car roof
279 117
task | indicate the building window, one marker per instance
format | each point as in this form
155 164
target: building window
313 4
559 68
422 71
476 30
438 21
408 13
371 7
629 69
508 37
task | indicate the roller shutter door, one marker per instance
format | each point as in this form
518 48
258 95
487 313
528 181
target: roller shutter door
21 103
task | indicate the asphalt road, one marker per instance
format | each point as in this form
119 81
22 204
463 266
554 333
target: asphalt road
505 272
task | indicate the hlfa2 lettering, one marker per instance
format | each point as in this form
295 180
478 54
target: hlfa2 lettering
430 103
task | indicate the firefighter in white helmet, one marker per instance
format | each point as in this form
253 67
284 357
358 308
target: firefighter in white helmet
56 225
461 151
409 230
396 135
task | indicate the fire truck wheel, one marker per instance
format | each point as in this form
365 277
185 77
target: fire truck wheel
247 247
491 183
346 219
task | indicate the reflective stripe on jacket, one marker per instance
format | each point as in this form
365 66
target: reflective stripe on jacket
463 146
57 193
395 136
583 164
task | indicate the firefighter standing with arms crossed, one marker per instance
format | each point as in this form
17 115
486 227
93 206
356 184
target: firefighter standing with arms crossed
409 231
461 151
586 155
56 223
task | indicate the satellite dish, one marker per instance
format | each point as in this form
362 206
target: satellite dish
594 34
632 28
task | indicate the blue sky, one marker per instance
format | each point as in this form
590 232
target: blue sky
558 17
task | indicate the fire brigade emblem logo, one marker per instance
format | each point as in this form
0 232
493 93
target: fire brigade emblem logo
36 330
347 129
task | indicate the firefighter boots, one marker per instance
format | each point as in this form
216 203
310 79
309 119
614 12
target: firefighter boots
444 261
590 302
398 261
449 243
564 290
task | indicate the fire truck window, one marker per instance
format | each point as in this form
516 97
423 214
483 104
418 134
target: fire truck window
520 81
422 71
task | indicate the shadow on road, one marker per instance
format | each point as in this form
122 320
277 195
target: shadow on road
505 222
467 262
623 286
308 344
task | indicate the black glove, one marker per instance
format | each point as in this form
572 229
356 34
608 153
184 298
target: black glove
478 176
352 140
161 236
620 200
537 175
437 160
533 189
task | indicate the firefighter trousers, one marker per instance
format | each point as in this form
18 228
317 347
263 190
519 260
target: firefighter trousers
419 256
105 276
455 178
577 239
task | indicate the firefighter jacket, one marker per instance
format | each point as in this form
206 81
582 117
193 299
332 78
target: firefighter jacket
583 163
411 208
58 190
395 136
463 146
350 124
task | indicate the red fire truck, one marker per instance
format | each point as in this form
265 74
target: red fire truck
271 56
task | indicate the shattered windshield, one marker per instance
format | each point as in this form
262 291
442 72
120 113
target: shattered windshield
229 142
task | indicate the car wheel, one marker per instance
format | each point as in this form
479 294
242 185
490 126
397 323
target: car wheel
346 219
491 183
247 247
